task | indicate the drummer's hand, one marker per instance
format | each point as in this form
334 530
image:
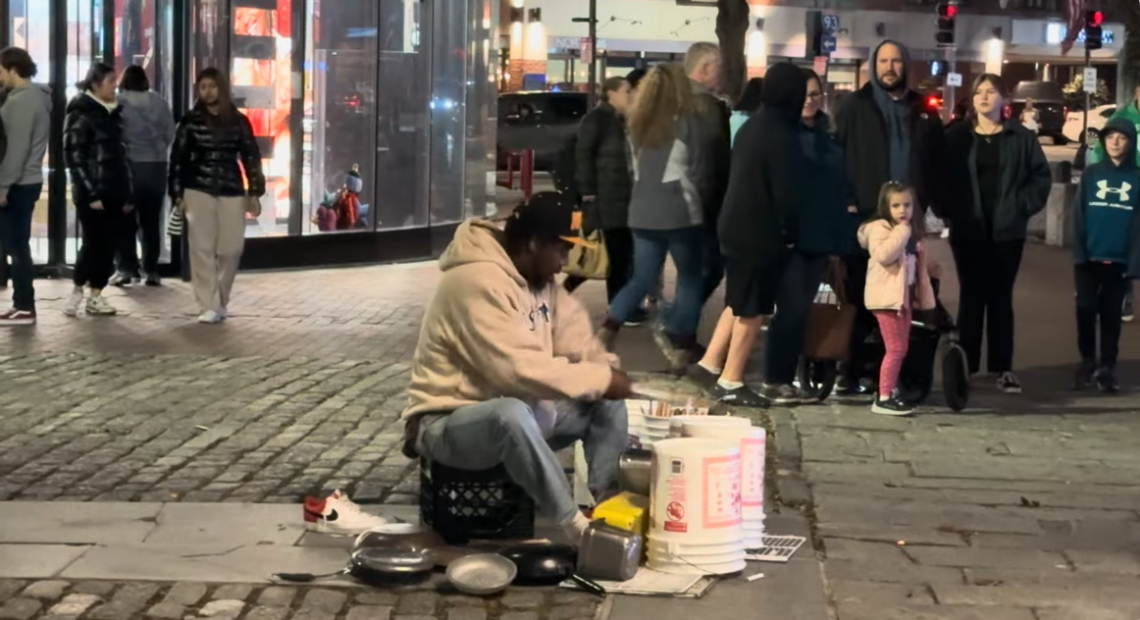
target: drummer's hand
621 387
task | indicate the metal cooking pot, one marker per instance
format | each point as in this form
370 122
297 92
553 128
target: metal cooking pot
636 471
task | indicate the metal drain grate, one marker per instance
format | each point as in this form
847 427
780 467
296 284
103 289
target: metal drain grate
777 549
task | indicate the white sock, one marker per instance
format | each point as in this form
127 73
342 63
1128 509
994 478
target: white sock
576 527
715 371
730 385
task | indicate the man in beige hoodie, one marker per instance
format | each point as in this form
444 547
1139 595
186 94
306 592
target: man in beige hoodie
507 369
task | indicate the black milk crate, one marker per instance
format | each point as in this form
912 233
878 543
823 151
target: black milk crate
465 505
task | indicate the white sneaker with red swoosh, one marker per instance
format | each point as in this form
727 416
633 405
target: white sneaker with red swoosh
338 515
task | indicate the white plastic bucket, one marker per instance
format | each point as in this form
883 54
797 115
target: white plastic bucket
695 492
676 429
661 547
753 450
685 567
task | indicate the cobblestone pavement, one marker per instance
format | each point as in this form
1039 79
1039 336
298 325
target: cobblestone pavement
105 600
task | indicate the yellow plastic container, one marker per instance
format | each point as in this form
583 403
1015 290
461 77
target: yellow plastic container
626 511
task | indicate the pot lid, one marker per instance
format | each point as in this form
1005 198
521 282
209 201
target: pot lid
393 560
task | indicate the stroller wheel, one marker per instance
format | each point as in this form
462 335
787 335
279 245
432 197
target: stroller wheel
955 377
817 377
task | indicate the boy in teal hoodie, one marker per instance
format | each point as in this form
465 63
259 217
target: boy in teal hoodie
1131 114
1106 251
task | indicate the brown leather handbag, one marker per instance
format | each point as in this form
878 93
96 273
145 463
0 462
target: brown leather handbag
831 318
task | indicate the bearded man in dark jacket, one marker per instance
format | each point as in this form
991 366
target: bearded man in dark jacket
888 133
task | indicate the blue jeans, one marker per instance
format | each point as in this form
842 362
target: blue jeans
650 247
16 230
505 431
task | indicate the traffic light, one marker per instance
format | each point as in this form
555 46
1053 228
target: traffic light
947 11
1093 33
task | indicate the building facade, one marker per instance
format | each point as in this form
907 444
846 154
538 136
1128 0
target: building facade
403 90
1020 38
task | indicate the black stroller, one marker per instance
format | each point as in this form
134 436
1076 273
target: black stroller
933 339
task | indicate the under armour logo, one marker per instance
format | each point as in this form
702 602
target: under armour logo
1104 190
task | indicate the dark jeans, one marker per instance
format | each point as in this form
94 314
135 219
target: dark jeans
865 322
145 223
101 234
16 232
619 247
799 283
650 247
987 272
1100 292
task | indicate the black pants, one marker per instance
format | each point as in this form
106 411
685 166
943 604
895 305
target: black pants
145 223
987 271
799 283
619 246
101 234
1100 292
865 322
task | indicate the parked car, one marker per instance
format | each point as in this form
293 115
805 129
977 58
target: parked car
542 121
1049 101
1074 123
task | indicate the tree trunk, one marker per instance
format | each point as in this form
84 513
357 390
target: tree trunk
732 21
1128 12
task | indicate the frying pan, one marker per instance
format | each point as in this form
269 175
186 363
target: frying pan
548 564
378 566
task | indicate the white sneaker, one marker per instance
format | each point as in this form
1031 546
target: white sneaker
209 317
98 306
71 308
338 515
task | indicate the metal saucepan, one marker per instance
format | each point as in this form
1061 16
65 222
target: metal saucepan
548 564
636 467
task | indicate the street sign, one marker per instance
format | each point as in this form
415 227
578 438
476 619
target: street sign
584 51
953 79
830 22
828 44
1090 79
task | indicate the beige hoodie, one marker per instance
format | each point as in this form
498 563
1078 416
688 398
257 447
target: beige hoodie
488 335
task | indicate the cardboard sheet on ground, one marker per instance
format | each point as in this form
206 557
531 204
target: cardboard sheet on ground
653 583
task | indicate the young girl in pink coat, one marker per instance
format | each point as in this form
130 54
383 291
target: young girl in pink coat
897 284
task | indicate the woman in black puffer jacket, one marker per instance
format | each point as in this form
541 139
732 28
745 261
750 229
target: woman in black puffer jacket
96 157
207 184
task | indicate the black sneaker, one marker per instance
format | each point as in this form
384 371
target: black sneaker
1085 376
784 395
742 396
1106 381
121 280
702 377
152 279
894 405
637 319
1007 382
847 389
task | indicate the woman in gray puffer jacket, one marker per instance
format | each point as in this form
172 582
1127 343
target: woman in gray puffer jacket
672 169
148 129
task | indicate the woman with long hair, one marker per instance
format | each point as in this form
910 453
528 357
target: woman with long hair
666 211
148 128
101 184
1001 178
213 145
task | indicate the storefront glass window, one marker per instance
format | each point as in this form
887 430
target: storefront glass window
366 101
136 36
30 29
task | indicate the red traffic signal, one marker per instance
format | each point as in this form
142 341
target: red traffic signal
947 11
1096 18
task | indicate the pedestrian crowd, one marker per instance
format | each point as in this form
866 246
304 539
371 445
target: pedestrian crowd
125 155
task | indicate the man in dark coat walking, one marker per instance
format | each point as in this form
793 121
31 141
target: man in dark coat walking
758 228
602 178
888 133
